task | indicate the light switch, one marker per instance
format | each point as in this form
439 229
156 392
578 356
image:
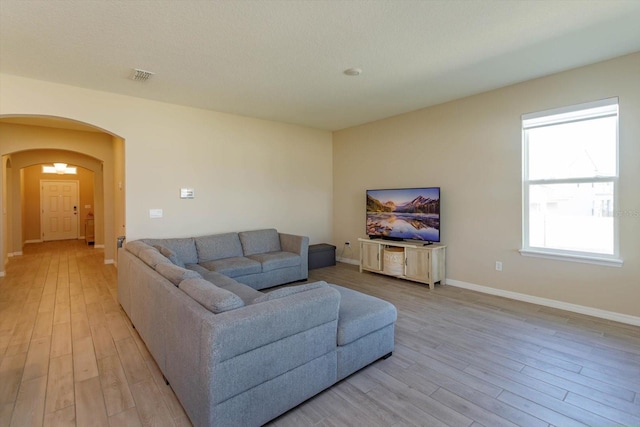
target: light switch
187 193
87 206
155 213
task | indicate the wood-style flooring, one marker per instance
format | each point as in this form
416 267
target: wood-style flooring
69 356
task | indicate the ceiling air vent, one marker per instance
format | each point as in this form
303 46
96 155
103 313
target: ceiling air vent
140 75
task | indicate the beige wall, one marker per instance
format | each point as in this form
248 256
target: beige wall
119 186
7 223
247 173
250 173
31 228
472 149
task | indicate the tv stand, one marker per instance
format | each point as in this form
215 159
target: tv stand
422 262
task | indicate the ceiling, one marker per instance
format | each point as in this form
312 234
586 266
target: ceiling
284 60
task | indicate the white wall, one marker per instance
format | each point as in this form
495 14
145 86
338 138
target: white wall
471 148
247 173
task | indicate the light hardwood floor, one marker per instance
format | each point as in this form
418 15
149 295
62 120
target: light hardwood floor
68 356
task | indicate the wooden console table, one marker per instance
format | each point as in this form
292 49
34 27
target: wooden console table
424 264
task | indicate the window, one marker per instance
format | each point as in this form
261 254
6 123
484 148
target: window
570 174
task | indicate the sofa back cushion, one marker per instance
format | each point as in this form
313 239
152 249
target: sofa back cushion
245 292
218 246
210 296
152 257
176 274
173 257
184 248
136 247
260 241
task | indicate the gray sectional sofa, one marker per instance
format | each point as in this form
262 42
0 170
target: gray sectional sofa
236 356
258 258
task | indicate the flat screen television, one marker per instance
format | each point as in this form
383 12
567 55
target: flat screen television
404 214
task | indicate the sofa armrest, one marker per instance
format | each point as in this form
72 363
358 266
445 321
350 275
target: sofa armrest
294 244
247 347
297 245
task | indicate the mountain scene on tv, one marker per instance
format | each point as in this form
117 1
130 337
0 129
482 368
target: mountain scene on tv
412 214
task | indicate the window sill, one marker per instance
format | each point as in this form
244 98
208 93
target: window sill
586 259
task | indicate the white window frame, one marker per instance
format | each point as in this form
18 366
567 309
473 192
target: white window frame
601 108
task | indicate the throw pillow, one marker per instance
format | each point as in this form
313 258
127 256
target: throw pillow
211 297
173 257
290 290
176 274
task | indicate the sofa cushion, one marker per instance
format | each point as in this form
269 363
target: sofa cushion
289 290
136 247
152 257
210 296
217 279
361 314
173 257
260 241
176 274
195 267
218 246
245 292
233 267
185 248
276 260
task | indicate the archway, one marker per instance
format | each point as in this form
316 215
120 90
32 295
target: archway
24 190
29 140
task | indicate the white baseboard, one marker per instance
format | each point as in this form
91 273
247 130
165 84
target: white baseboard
33 241
10 254
108 261
590 311
98 246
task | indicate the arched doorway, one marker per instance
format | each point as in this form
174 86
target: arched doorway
27 140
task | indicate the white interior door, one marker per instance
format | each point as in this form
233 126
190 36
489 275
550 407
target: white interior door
59 210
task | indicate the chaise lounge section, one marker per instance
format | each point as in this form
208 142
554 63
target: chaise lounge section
236 356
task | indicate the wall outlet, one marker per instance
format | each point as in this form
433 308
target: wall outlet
498 265
347 244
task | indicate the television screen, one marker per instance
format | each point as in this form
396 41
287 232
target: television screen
404 214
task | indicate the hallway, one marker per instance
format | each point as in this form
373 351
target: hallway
68 354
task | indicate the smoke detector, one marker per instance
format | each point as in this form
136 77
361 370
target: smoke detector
139 75
353 71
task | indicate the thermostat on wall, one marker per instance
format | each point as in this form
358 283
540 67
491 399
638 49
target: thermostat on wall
187 193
